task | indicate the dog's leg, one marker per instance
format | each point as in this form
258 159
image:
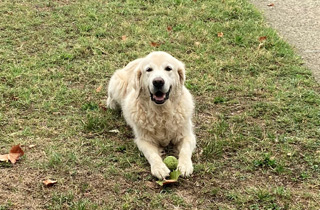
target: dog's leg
116 89
152 153
185 149
111 103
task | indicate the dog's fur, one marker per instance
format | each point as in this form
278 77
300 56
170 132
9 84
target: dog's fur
157 115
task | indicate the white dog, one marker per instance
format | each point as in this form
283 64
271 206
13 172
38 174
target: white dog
158 107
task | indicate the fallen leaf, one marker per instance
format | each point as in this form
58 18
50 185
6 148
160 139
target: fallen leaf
14 98
4 157
270 5
220 34
197 43
124 37
49 182
174 176
169 28
99 89
262 38
155 44
103 107
260 45
32 145
15 153
114 131
166 181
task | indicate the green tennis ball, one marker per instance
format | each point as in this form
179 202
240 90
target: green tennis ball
171 162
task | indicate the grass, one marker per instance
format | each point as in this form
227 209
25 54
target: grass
257 108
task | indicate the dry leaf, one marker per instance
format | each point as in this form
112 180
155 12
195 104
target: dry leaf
169 181
174 176
103 107
262 38
260 45
197 43
14 98
4 157
32 145
166 181
169 28
124 37
220 34
114 131
49 182
155 44
270 5
15 153
99 89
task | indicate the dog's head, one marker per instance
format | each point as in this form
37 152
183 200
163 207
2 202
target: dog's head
159 75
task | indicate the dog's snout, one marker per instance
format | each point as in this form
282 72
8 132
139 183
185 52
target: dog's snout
158 82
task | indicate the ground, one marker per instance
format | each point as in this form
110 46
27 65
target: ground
257 107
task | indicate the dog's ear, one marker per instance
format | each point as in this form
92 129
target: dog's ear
137 81
137 77
133 70
181 72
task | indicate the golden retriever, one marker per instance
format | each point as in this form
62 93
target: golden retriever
156 104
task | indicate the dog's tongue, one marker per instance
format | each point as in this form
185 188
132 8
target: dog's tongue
159 96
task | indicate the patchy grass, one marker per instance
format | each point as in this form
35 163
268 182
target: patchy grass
257 110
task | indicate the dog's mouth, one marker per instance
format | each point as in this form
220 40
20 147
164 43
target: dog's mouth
160 97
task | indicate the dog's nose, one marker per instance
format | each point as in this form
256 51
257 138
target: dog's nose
158 82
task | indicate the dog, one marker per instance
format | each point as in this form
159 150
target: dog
158 107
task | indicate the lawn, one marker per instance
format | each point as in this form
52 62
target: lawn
257 115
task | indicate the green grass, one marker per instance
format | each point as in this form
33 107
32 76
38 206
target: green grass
257 110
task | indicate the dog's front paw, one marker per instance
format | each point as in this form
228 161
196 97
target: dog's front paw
185 167
160 170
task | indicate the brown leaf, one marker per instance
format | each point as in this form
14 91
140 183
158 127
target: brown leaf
169 181
155 44
15 153
32 145
270 5
124 37
262 38
14 98
260 45
103 107
169 28
220 34
99 89
49 182
4 157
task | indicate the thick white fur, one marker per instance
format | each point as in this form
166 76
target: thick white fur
154 125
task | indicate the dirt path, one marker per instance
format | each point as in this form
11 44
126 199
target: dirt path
298 22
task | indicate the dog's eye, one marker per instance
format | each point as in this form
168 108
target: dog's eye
168 68
149 69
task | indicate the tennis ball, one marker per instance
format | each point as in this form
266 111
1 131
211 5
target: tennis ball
171 162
